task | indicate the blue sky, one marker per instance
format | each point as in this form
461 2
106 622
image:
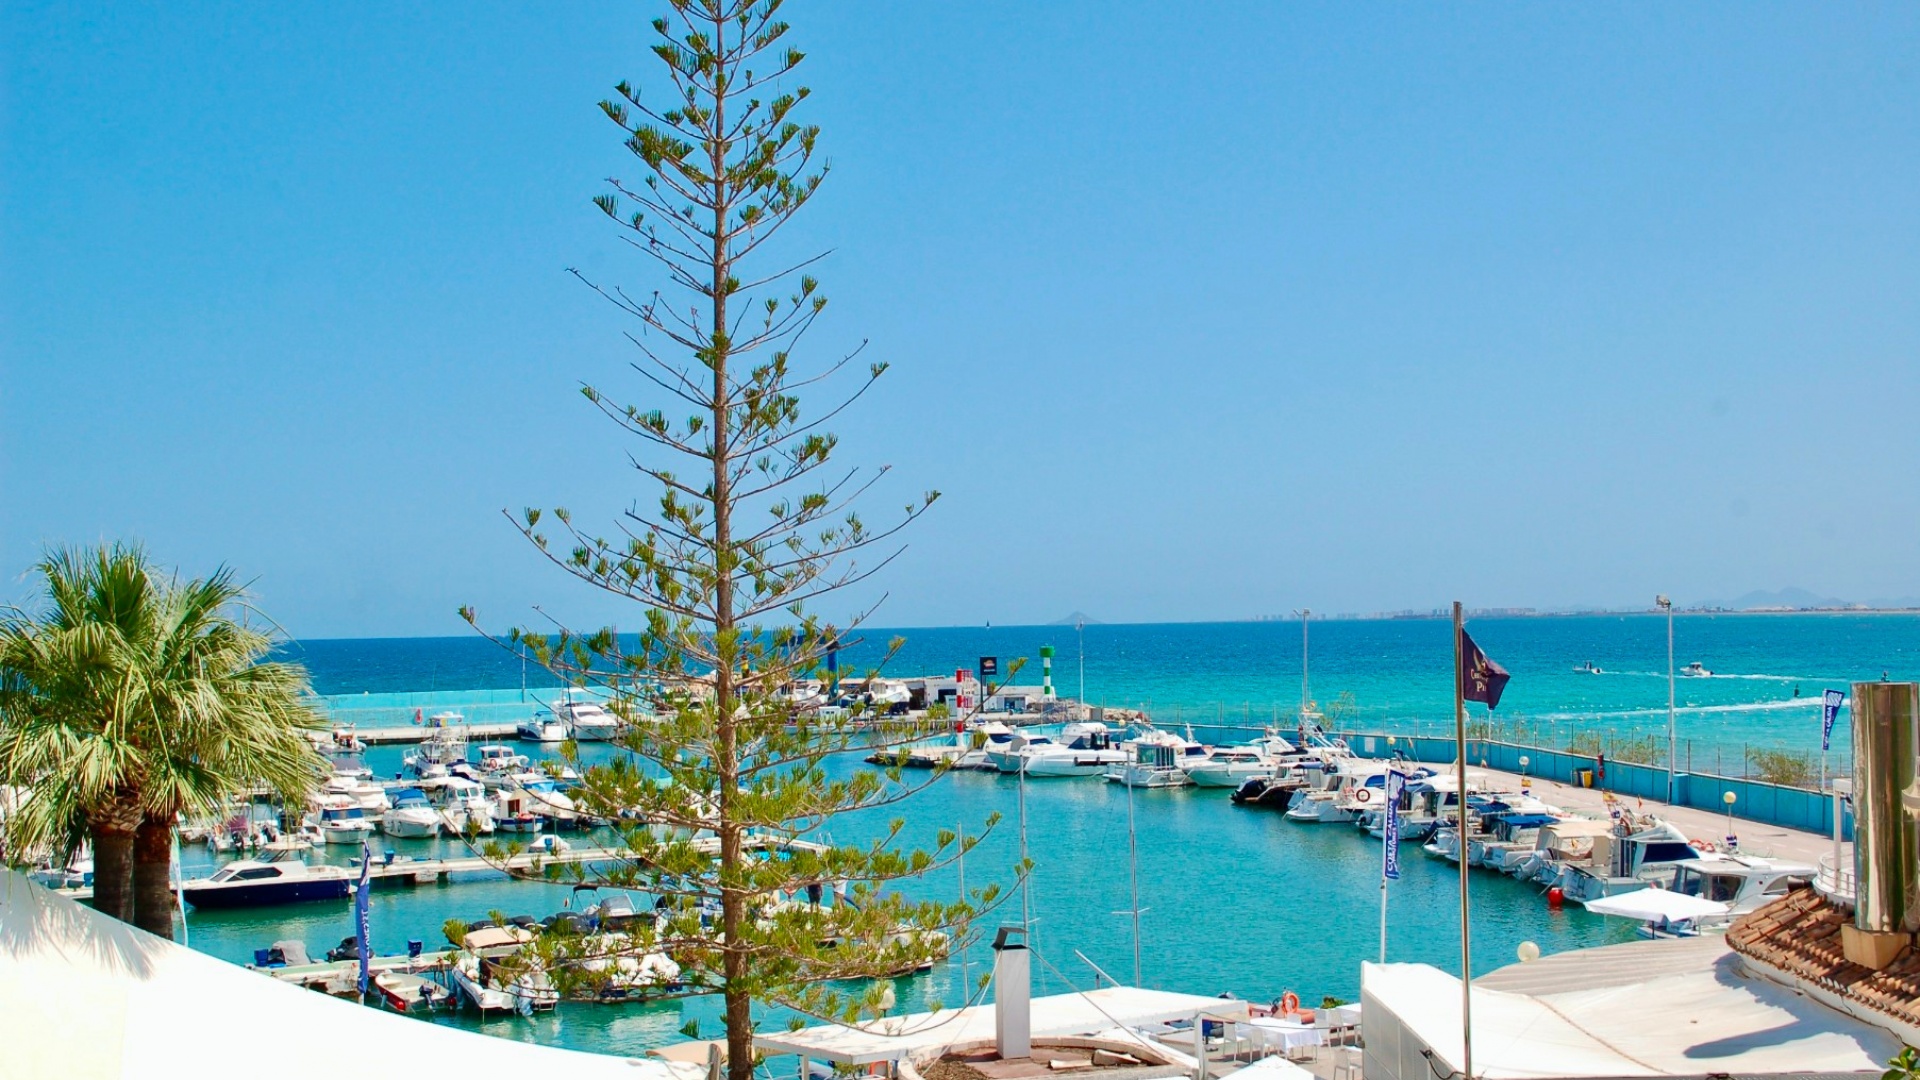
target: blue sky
1191 316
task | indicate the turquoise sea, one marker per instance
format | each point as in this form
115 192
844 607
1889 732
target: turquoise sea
1233 900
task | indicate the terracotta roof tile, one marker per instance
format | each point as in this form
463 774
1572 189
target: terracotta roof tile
1800 933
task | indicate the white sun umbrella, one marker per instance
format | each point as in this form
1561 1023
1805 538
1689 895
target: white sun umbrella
1652 905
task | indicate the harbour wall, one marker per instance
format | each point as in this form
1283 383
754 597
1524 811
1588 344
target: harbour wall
1754 800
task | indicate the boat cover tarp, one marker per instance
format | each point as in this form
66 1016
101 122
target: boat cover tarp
1714 1020
86 996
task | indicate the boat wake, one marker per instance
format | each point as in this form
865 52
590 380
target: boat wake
1809 704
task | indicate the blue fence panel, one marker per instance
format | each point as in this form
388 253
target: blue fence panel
1754 800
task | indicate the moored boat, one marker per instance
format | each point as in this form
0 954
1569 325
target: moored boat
247 883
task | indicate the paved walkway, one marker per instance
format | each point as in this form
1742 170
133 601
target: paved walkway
1756 838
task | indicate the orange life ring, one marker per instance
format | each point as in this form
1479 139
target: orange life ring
1701 845
1362 795
1289 1004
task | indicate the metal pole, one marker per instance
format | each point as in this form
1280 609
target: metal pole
1466 937
966 980
1080 628
1133 872
1668 604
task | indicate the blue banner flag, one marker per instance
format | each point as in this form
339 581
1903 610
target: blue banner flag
1835 699
360 912
1390 833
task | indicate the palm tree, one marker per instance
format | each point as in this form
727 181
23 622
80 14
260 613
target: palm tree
224 720
65 730
136 698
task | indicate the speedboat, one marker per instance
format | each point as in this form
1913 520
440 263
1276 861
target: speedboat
341 821
587 721
1588 668
1695 670
247 883
542 727
411 815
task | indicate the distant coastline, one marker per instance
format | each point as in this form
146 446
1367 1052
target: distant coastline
1538 613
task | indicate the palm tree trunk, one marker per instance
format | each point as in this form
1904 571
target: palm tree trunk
113 867
152 876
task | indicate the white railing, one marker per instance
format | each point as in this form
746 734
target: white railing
1835 881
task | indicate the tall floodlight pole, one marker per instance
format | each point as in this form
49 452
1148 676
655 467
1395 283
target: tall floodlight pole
1080 628
1666 605
1304 697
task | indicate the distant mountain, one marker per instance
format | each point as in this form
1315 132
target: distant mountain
1076 619
1789 599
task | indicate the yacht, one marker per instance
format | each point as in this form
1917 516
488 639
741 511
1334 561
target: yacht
1695 670
542 727
1634 854
411 816
1232 766
341 821
1427 801
1556 846
586 720
1159 759
247 883
1084 749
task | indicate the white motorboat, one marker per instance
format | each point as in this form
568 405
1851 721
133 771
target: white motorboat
587 721
477 988
1633 855
982 740
1588 668
1744 882
544 797
1231 766
465 806
1082 749
366 794
442 748
411 816
494 759
248 883
1695 670
512 812
341 820
542 727
1555 847
1348 788
1158 759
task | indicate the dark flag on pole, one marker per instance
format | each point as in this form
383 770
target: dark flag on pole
1481 679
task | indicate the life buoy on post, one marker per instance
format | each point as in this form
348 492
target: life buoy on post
1362 795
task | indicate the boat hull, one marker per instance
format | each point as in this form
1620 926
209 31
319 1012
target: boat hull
268 892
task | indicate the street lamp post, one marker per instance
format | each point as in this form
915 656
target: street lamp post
1666 605
1728 798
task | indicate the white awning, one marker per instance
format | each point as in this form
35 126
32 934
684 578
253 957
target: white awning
83 995
1654 904
894 1038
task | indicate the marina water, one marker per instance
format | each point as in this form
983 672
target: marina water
1233 900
